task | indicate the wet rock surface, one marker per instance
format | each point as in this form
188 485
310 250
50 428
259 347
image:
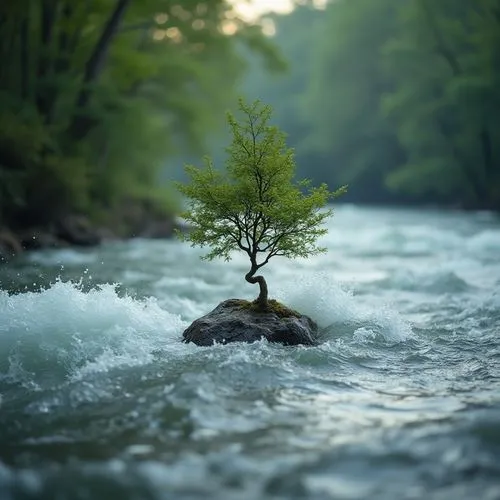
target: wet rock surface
237 320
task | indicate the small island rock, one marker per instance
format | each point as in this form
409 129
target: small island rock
237 320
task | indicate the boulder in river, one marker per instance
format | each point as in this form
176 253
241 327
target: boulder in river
236 320
77 230
38 238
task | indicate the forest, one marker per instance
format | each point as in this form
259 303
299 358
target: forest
101 99
95 96
399 100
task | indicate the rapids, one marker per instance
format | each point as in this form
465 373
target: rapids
99 399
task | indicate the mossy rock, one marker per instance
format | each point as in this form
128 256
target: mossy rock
237 320
273 306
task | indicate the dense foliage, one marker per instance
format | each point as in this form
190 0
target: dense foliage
398 99
94 96
255 205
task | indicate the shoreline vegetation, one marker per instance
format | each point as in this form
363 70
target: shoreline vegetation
98 99
398 100
136 220
95 100
132 220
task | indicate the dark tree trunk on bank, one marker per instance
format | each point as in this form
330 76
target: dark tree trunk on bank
48 18
81 124
482 182
261 300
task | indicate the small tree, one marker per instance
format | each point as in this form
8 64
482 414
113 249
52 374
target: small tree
255 206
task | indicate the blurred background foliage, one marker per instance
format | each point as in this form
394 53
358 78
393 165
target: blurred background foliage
96 95
101 100
399 99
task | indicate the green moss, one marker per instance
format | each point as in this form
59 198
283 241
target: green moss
273 306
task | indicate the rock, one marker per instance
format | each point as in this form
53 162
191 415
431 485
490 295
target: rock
157 228
9 245
38 238
141 219
77 230
106 234
237 320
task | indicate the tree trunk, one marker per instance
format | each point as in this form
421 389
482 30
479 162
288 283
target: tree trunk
24 58
469 170
486 146
8 38
63 52
48 16
261 300
480 184
95 64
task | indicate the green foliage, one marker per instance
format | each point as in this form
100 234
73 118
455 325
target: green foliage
444 65
96 96
398 99
343 98
37 180
255 206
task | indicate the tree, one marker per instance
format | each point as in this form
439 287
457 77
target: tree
256 206
342 98
444 62
96 96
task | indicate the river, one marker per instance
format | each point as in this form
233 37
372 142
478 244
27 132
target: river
401 400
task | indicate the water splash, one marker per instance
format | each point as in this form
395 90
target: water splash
64 332
338 312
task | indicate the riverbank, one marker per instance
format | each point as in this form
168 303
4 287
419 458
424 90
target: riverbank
143 219
133 220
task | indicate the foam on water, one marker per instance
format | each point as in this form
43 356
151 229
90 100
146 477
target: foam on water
484 241
337 310
70 332
101 399
68 256
64 332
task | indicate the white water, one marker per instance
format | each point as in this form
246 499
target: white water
402 399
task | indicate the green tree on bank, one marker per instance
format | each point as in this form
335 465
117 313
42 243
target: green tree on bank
444 62
397 99
346 128
95 95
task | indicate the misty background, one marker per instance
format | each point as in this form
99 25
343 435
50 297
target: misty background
102 103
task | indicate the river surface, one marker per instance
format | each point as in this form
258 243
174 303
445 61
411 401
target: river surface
101 400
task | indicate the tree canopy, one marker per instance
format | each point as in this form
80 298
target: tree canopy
398 99
95 96
255 206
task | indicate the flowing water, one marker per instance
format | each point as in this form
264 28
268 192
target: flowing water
100 399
